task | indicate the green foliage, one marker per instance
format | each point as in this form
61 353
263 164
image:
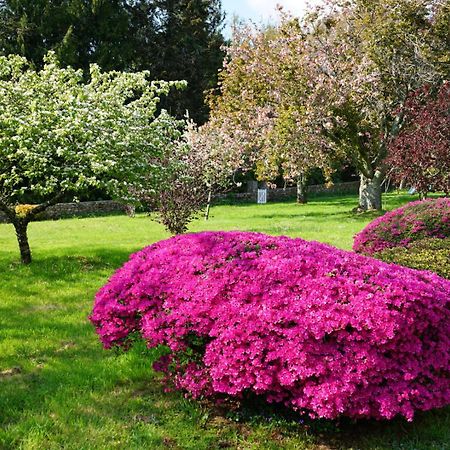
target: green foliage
184 45
426 254
79 31
175 40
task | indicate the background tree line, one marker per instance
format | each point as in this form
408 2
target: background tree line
174 39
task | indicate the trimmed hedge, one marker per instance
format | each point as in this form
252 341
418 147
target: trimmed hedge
321 330
427 254
415 221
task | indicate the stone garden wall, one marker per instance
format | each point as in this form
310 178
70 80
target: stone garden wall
280 194
61 210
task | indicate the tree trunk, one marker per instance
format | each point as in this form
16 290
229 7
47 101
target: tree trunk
208 205
302 190
370 192
20 223
21 228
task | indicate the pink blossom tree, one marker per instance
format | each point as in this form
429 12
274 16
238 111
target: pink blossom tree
312 92
193 168
365 58
262 106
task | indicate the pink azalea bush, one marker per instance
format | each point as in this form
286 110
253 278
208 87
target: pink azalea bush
322 330
398 228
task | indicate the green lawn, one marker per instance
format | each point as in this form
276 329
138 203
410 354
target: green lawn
60 389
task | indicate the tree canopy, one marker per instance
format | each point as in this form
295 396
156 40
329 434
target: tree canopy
174 39
331 86
420 153
60 135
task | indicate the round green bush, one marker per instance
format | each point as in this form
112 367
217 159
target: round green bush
426 254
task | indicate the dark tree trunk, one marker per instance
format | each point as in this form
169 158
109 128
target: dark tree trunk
302 190
20 223
370 192
21 227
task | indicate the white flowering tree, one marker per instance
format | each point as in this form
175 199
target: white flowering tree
61 135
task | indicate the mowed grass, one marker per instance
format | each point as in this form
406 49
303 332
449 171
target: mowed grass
60 389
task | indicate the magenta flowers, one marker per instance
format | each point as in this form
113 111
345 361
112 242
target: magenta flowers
322 330
398 228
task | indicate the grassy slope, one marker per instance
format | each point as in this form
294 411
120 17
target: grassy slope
59 389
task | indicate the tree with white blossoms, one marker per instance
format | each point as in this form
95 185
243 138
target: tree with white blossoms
61 136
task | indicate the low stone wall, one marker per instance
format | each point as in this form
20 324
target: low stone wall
349 187
61 210
274 195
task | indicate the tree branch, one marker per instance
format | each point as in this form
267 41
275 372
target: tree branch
9 212
43 206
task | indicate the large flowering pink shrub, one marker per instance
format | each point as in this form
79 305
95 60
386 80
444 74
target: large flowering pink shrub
398 228
322 330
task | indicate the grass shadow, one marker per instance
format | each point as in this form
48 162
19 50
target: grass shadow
62 267
428 431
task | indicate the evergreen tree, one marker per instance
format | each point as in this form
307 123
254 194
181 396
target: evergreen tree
181 39
174 39
79 31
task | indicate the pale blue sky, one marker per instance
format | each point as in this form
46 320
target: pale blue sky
262 10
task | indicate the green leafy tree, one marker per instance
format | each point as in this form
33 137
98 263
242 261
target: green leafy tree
61 136
79 31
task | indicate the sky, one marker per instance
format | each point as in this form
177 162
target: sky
262 10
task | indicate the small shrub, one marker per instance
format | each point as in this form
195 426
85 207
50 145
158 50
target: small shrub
427 254
315 328
398 228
